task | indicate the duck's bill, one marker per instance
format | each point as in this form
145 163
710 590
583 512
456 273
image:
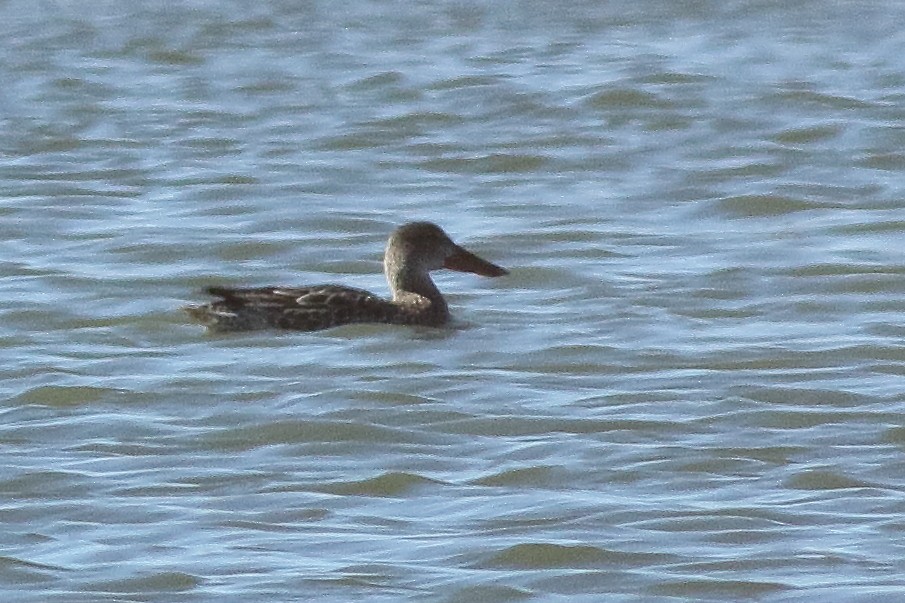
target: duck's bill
465 261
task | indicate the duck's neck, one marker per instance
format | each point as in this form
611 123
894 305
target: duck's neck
406 280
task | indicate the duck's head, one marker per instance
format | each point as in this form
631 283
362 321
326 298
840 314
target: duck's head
423 246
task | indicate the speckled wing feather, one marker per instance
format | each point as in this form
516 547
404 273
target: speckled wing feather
301 308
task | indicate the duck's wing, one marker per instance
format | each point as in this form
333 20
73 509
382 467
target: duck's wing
301 308
314 296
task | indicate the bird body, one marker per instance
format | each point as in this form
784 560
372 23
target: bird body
412 252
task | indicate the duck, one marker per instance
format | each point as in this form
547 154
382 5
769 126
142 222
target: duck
413 251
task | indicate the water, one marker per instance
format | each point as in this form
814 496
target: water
690 386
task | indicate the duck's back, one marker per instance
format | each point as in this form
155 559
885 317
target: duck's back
308 308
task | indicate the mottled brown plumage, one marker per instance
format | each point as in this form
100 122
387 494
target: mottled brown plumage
412 252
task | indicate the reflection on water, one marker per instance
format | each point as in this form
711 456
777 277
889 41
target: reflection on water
689 386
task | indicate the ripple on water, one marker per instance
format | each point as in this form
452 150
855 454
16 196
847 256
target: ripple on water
689 387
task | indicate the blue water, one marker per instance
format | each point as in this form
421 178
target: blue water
689 387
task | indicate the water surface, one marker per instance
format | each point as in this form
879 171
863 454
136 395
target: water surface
690 386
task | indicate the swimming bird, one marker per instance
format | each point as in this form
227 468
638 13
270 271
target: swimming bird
412 252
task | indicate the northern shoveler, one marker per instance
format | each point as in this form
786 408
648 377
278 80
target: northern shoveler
412 252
